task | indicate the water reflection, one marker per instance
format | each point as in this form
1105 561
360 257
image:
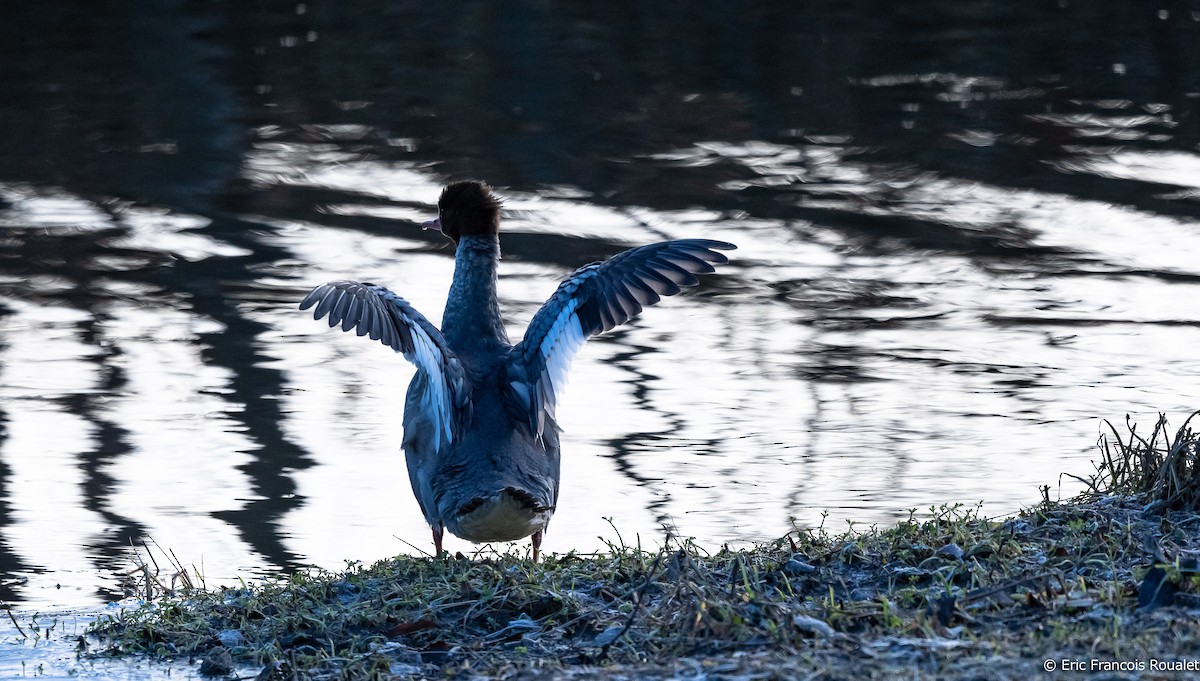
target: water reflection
961 242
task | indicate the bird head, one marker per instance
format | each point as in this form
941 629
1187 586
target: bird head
466 208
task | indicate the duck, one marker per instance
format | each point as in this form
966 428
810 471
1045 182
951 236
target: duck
480 438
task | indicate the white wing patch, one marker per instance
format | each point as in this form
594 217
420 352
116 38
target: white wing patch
436 402
595 299
558 348
373 310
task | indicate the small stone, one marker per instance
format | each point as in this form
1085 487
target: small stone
231 638
812 625
217 662
798 567
950 550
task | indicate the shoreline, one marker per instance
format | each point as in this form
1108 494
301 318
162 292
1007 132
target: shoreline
1104 583
953 596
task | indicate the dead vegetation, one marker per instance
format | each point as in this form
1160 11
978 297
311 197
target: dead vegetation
1162 469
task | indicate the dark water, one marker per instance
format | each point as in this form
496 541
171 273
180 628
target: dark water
968 231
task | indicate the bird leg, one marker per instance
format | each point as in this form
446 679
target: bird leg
537 544
437 541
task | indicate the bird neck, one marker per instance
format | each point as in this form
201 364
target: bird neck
471 322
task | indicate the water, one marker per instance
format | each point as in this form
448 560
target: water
967 233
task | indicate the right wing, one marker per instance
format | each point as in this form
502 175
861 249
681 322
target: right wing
594 299
386 317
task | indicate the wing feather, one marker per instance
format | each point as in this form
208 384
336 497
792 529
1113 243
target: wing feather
595 299
374 311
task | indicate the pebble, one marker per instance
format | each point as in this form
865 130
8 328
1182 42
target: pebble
796 566
218 662
230 638
950 551
813 625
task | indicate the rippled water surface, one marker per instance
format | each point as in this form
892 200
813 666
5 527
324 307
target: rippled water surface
967 234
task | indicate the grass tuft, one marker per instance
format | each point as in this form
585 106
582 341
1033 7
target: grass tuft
1162 470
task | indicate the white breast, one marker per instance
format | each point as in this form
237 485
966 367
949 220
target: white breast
500 518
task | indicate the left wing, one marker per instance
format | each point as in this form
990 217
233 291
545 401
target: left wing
373 310
594 299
